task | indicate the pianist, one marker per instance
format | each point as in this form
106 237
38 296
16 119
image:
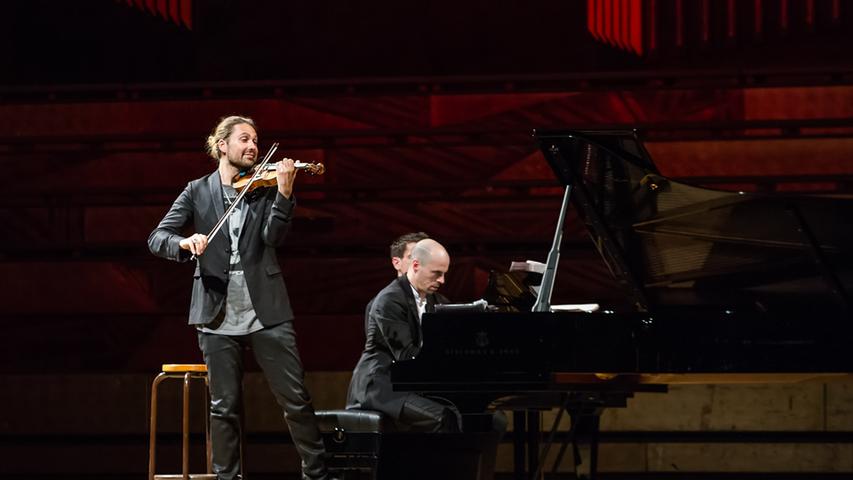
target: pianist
401 258
393 332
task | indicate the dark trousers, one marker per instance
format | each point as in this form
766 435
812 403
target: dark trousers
275 351
424 414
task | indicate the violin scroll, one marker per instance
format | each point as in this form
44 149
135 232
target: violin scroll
310 168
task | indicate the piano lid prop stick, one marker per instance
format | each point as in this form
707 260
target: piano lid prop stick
543 302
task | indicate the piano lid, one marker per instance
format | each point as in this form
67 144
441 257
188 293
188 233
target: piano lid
672 244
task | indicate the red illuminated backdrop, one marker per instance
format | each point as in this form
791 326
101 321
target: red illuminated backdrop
645 26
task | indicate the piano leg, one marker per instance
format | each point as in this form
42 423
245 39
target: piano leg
525 439
519 426
582 436
585 423
533 433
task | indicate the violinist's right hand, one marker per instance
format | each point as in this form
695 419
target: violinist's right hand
195 243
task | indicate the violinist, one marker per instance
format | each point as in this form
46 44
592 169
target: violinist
239 298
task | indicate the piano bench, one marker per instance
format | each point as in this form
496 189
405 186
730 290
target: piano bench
353 439
366 444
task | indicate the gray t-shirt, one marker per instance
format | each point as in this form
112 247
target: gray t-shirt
238 316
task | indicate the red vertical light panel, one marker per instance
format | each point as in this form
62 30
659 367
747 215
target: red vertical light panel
730 30
600 22
706 22
608 21
759 19
591 16
163 9
783 15
174 11
653 39
615 22
810 13
636 26
679 23
616 37
625 23
187 13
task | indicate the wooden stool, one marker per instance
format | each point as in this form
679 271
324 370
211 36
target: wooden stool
187 372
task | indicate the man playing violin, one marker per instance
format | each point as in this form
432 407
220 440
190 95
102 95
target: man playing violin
239 298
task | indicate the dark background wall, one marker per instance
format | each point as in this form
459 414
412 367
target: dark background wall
422 113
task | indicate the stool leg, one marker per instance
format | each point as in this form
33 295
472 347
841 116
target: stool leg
207 447
185 444
152 432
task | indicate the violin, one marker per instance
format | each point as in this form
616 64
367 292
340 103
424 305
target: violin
267 175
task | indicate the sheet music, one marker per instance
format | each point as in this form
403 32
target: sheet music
575 307
527 266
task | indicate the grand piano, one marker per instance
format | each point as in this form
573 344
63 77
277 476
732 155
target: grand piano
718 287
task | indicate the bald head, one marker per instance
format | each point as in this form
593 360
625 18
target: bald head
430 262
427 249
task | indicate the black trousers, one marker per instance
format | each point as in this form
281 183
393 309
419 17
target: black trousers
275 351
423 414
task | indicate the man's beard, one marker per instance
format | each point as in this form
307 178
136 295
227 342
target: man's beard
242 163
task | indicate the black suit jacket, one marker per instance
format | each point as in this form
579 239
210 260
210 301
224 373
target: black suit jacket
265 227
393 333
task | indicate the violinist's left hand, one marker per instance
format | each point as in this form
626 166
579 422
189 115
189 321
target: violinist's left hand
285 176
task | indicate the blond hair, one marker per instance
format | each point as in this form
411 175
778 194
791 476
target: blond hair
223 130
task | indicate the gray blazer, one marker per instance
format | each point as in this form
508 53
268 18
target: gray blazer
393 333
265 227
